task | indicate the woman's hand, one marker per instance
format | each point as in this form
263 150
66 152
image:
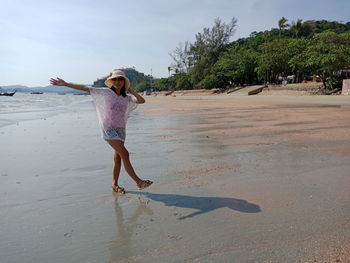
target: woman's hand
58 82
61 82
139 98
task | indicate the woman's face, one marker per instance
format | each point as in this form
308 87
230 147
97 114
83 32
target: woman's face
118 82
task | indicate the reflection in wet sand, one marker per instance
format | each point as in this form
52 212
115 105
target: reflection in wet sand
121 247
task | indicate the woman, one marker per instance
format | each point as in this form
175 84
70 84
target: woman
113 106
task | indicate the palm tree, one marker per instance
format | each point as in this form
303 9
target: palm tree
282 24
297 27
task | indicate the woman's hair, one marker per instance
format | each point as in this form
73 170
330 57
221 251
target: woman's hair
122 90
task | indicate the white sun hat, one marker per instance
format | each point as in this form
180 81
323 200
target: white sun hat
115 74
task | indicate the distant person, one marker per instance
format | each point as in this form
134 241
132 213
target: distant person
113 106
280 79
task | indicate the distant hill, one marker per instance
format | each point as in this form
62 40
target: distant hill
18 88
134 76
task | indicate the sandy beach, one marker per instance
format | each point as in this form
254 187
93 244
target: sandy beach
236 179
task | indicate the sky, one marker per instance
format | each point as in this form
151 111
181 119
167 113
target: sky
83 40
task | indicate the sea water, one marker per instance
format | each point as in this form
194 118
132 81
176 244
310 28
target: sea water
26 106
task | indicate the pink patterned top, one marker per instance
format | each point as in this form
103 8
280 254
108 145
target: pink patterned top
112 112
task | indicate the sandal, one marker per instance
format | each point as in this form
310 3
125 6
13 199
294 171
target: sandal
118 189
144 184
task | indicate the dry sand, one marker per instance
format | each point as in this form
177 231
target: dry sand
237 179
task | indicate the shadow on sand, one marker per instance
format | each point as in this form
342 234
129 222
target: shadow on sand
202 204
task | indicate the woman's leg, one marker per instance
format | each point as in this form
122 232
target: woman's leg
116 168
116 171
120 149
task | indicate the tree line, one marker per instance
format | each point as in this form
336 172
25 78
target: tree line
300 49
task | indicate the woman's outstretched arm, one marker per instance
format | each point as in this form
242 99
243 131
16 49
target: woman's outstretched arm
61 82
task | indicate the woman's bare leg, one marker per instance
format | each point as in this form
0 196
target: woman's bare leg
116 168
119 147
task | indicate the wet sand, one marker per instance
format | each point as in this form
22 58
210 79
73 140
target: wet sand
237 179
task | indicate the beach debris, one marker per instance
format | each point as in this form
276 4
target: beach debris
256 91
215 91
235 89
174 237
169 93
68 234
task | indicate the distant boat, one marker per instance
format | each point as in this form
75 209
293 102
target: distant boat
36 92
84 93
5 93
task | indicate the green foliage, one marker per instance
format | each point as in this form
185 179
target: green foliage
142 85
334 83
208 46
296 62
180 81
252 42
235 66
274 58
164 84
328 52
324 25
302 48
212 81
183 81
